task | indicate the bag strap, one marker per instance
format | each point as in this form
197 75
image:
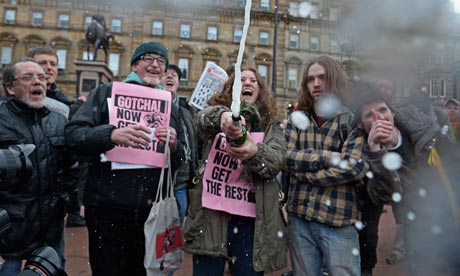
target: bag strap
159 195
344 126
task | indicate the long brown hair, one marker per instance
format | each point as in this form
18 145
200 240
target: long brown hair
265 102
335 81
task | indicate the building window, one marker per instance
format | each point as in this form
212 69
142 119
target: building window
292 78
263 38
240 3
114 63
314 11
237 34
62 58
183 65
116 25
7 54
87 55
333 14
294 9
10 16
88 21
212 33
265 4
37 19
185 30
294 41
157 28
263 71
438 88
64 21
314 43
334 46
439 58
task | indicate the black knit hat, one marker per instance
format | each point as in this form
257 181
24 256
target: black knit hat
175 68
360 93
150 47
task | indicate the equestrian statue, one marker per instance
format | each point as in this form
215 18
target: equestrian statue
96 34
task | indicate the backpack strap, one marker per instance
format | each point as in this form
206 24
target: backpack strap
345 120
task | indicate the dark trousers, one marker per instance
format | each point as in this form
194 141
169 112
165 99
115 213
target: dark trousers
369 235
240 244
116 241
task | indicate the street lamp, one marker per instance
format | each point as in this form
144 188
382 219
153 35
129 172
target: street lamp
275 46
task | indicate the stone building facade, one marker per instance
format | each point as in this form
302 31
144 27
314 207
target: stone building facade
194 31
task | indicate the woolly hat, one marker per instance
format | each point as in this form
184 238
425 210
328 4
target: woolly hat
452 100
150 47
175 68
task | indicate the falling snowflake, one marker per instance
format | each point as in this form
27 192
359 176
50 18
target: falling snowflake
300 120
392 161
396 197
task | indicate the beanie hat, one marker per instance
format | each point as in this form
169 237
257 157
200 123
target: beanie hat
175 68
149 47
452 100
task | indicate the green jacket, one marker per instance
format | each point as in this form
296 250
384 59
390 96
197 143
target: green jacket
206 229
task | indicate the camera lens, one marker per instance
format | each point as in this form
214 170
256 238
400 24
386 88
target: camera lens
43 262
15 166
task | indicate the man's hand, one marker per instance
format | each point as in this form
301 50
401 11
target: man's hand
162 132
382 133
133 135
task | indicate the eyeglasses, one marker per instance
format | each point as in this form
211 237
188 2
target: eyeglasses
160 61
29 78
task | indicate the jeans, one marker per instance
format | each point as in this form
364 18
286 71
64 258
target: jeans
240 244
182 202
13 266
312 242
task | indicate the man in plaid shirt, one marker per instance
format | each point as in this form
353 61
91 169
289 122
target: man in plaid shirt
325 169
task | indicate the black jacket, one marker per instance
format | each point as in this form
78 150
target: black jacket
89 133
54 92
36 207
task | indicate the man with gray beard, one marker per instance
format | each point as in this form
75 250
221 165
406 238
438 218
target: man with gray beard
36 206
117 202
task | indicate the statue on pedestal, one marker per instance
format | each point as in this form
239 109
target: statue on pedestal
96 34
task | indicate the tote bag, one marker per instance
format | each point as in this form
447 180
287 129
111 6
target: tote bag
162 230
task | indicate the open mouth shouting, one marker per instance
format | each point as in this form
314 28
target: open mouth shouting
37 93
247 93
153 71
169 83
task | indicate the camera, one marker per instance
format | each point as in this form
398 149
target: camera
15 166
5 225
43 262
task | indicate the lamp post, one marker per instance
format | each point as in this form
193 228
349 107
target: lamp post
275 46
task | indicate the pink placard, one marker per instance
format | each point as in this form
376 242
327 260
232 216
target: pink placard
223 189
139 105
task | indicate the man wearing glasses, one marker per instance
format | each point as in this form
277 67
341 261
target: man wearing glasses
36 206
117 202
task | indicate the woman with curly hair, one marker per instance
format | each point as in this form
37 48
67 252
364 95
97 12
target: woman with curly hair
254 243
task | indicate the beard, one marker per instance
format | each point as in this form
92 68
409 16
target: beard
152 82
34 104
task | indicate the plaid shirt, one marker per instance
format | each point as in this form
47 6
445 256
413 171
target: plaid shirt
319 191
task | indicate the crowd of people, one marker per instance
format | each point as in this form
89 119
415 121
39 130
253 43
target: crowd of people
334 169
